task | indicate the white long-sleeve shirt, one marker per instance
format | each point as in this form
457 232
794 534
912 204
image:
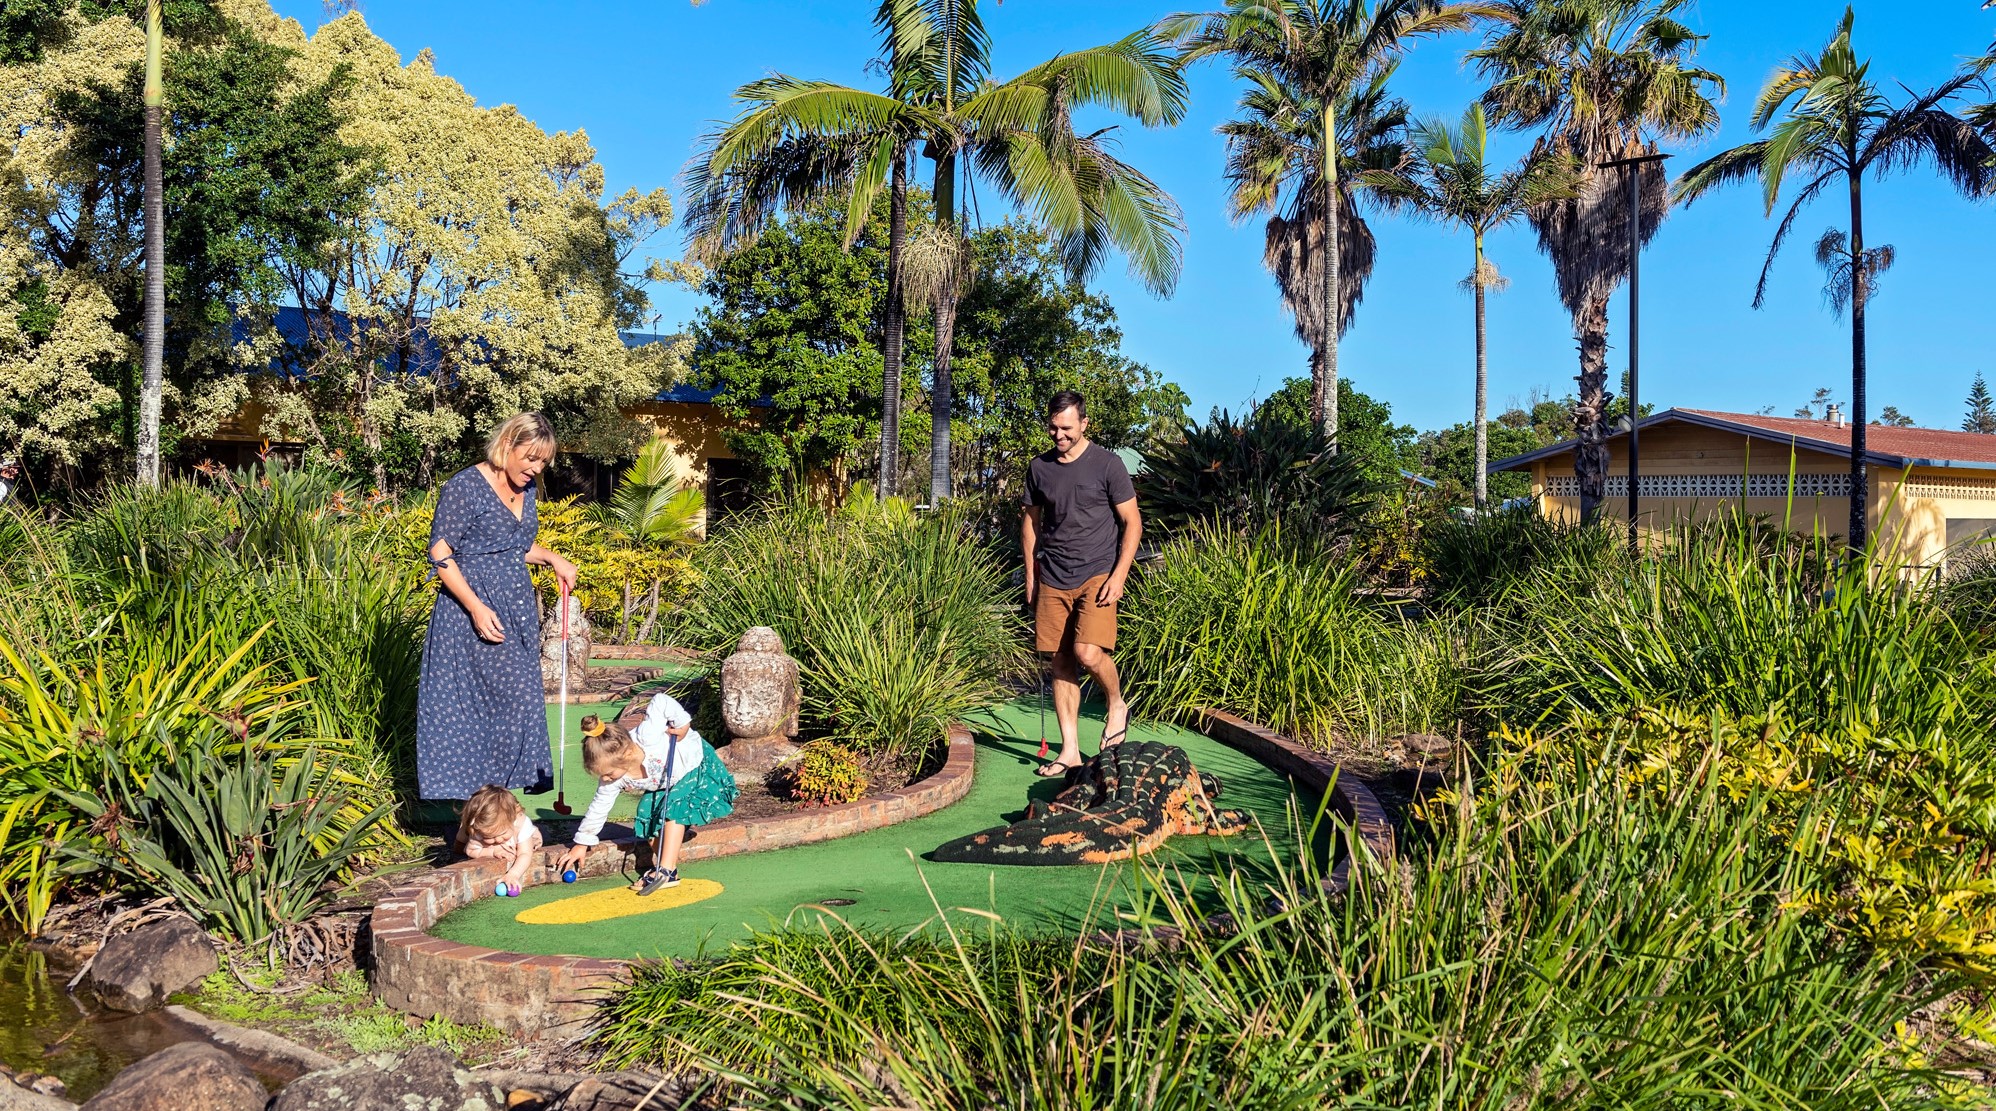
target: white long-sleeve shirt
653 735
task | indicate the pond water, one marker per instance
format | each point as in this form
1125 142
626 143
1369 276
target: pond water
45 1029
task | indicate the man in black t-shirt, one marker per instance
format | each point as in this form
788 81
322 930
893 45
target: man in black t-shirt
1080 534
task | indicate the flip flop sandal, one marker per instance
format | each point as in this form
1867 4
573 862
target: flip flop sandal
657 880
1054 770
1114 739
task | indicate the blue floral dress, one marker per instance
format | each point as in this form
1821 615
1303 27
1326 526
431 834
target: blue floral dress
481 715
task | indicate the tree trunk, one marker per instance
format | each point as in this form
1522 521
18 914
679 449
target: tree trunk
1482 384
1860 292
942 397
154 347
895 329
1324 391
1590 456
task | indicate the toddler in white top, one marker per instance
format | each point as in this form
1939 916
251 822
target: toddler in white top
494 824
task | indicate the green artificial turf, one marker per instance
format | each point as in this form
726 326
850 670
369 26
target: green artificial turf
883 873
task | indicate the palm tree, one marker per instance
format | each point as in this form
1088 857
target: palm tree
1837 128
795 142
1276 140
1606 79
1448 178
1305 60
658 509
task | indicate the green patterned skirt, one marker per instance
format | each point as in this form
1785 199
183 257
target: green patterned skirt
705 796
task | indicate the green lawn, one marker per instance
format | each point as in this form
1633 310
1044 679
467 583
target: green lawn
884 874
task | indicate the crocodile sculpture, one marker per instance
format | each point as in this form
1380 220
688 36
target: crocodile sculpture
1120 804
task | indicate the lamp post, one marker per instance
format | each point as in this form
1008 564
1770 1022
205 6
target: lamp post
1633 174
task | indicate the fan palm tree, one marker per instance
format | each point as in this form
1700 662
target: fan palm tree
1304 61
1448 178
1277 138
1606 79
796 142
1837 128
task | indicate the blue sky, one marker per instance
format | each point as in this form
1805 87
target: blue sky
645 78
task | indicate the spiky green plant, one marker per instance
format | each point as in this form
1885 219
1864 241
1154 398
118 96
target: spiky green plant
1253 473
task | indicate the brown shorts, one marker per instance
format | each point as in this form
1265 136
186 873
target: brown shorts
1063 618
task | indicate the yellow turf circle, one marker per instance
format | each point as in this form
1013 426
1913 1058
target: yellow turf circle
617 902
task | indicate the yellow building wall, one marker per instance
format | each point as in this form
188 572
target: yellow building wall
1908 512
695 432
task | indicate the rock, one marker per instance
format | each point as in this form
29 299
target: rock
138 969
580 638
759 697
1426 748
427 1078
191 1076
15 1097
280 1055
622 1091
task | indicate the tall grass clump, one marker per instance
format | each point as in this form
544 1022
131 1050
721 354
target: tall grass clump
158 613
1274 629
900 625
1735 616
1488 559
1554 937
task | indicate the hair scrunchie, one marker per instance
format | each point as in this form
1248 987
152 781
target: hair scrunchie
593 727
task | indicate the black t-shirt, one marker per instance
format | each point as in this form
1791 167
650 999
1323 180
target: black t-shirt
1078 533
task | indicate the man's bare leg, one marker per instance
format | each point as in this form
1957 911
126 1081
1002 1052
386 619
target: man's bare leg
1116 712
1067 707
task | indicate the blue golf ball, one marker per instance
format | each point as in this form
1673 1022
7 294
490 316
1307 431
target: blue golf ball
499 888
568 876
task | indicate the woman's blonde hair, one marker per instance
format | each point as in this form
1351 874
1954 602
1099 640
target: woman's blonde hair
605 743
488 814
518 431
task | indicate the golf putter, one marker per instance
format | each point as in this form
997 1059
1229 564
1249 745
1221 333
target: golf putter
561 736
1043 715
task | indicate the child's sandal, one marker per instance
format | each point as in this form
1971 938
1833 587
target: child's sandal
658 879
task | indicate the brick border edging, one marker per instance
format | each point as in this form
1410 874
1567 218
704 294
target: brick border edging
647 653
1349 798
526 994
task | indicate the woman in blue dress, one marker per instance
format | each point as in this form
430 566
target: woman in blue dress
481 714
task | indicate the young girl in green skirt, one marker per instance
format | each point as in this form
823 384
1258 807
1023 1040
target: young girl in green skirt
681 778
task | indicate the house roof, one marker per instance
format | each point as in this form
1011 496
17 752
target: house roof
423 356
1883 444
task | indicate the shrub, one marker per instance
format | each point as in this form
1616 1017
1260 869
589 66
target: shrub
243 840
1249 474
1968 593
1739 618
824 773
899 624
1269 628
1897 827
1491 558
1551 938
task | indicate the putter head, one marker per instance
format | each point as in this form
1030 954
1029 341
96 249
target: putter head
561 807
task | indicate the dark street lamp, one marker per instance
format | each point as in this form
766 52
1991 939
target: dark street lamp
1634 177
